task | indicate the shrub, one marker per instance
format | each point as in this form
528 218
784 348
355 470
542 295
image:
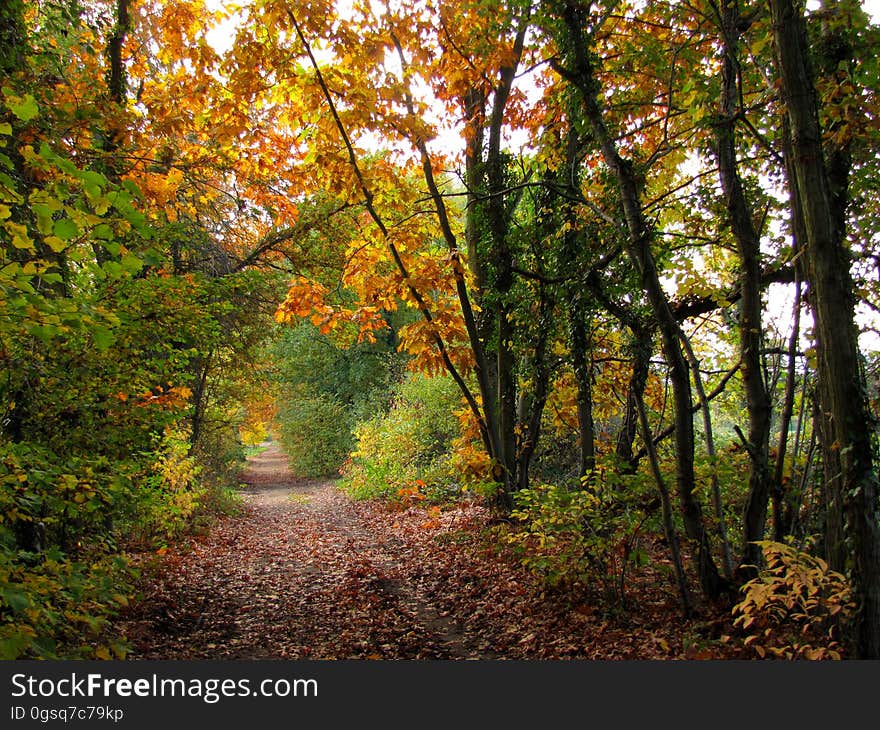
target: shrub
170 493
795 608
569 536
315 432
52 606
48 500
59 583
409 446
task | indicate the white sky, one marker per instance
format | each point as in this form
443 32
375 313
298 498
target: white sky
872 7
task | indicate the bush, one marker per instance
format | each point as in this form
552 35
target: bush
59 523
54 607
170 493
408 448
315 431
570 536
62 524
796 607
68 502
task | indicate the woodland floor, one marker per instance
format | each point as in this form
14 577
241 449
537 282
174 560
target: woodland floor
305 572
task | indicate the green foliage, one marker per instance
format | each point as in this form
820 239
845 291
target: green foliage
578 536
52 606
61 577
315 431
170 494
96 455
358 375
326 386
68 501
409 446
132 318
728 467
796 607
99 345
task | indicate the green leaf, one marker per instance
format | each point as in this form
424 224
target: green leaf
44 332
22 241
44 218
15 599
7 189
25 109
100 203
102 337
105 233
13 646
55 243
136 218
66 229
152 257
91 177
131 263
112 269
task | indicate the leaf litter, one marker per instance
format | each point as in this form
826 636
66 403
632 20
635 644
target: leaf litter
304 572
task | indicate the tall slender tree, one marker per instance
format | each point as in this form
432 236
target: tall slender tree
847 423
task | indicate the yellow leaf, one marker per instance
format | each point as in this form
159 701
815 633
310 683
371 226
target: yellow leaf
55 243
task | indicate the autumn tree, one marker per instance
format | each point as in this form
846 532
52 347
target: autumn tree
742 220
574 211
850 475
577 67
113 306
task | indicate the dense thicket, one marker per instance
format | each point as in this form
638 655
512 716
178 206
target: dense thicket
129 333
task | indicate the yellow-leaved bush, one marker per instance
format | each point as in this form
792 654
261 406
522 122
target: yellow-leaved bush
795 607
172 492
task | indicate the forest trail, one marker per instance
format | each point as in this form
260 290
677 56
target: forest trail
304 572
300 574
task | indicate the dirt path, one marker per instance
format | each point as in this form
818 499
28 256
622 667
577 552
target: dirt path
302 573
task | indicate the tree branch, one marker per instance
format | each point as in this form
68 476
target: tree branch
395 254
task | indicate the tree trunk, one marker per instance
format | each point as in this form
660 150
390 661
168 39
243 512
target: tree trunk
199 400
501 261
577 301
841 393
717 503
684 593
751 328
638 247
781 494
582 365
116 81
785 505
533 402
641 348
12 37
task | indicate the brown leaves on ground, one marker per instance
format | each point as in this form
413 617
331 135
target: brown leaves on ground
305 573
